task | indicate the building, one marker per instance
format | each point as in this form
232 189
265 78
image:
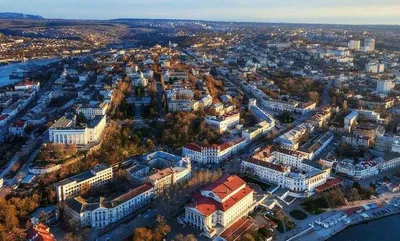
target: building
161 169
17 128
356 141
329 185
221 203
71 187
279 105
39 232
140 81
368 44
167 177
316 145
321 117
183 105
100 212
374 68
223 123
257 130
45 215
290 139
27 85
355 44
384 86
92 109
65 130
285 176
259 114
388 161
213 153
358 171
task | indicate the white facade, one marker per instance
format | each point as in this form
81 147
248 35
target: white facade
221 204
357 171
104 212
355 44
90 111
65 132
284 177
224 123
70 187
375 68
213 153
384 86
183 105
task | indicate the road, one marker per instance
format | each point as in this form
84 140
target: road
326 98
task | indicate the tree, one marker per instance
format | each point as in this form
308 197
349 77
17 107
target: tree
353 194
313 96
142 234
188 237
161 230
150 145
81 118
247 237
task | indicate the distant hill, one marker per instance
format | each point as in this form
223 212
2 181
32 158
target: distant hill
19 16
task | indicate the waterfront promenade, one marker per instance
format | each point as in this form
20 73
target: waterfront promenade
319 233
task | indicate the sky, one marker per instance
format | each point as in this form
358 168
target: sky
293 11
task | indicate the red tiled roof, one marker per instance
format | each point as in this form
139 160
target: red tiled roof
207 205
19 123
40 233
26 83
193 146
329 183
3 117
225 185
352 210
237 229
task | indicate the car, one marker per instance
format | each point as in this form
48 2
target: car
146 216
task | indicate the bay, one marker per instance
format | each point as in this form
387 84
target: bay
384 229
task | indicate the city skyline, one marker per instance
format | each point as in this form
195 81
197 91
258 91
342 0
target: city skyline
337 12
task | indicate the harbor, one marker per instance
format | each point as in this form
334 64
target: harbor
344 224
19 68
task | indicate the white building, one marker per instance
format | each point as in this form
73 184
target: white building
284 175
221 203
167 177
70 187
91 110
183 105
257 130
384 86
140 81
213 153
100 212
290 139
279 105
66 131
364 169
28 85
223 123
355 44
374 68
368 44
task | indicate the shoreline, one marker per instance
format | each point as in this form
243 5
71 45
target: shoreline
397 212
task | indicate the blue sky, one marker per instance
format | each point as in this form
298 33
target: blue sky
306 11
